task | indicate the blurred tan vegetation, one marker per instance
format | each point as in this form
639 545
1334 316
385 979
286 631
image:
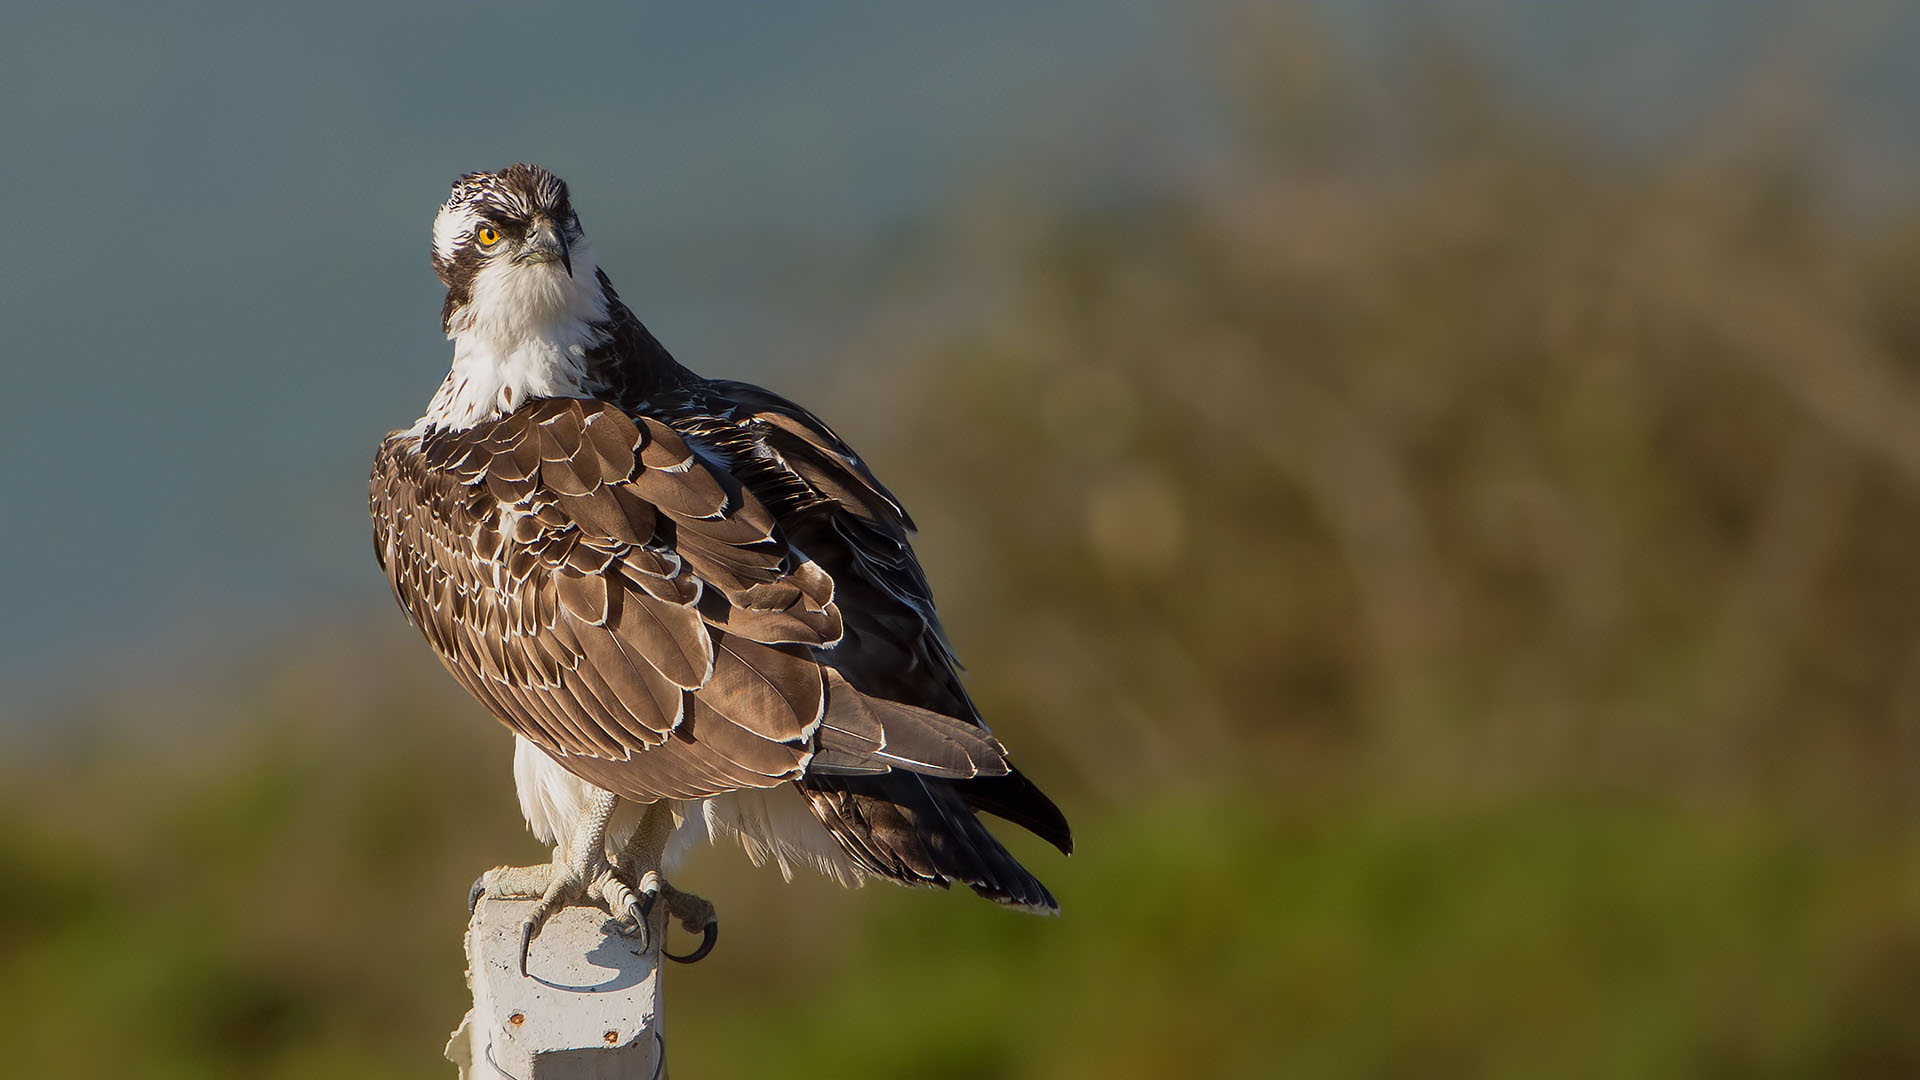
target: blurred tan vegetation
1460 580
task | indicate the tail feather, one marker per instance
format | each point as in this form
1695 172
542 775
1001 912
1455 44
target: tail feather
919 830
1015 798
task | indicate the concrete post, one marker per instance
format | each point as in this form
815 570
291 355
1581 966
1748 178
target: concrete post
588 1007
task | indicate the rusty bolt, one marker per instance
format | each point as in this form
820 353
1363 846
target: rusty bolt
517 1019
611 1037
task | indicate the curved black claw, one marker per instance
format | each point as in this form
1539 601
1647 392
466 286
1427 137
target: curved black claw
527 931
474 894
710 933
564 890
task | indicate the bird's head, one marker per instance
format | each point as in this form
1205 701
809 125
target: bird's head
509 248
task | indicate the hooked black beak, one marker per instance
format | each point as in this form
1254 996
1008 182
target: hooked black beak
546 242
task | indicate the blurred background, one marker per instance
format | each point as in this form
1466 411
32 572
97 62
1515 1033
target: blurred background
1433 490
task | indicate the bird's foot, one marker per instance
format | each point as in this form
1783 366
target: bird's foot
555 885
510 883
633 908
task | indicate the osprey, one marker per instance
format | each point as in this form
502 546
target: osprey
691 602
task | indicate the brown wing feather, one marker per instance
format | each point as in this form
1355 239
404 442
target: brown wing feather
530 552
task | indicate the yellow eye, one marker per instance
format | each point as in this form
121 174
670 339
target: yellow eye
487 235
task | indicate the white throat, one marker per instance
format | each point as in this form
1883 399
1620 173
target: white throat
524 333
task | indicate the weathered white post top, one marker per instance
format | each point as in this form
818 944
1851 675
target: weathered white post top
587 1009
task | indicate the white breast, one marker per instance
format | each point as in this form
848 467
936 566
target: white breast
524 333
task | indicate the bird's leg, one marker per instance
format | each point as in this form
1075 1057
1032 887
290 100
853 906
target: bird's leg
580 872
643 855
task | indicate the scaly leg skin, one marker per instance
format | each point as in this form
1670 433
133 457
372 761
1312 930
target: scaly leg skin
635 907
581 873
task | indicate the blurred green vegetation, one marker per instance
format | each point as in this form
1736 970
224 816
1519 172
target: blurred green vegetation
1460 580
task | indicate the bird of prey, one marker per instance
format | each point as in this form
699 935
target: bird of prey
692 603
